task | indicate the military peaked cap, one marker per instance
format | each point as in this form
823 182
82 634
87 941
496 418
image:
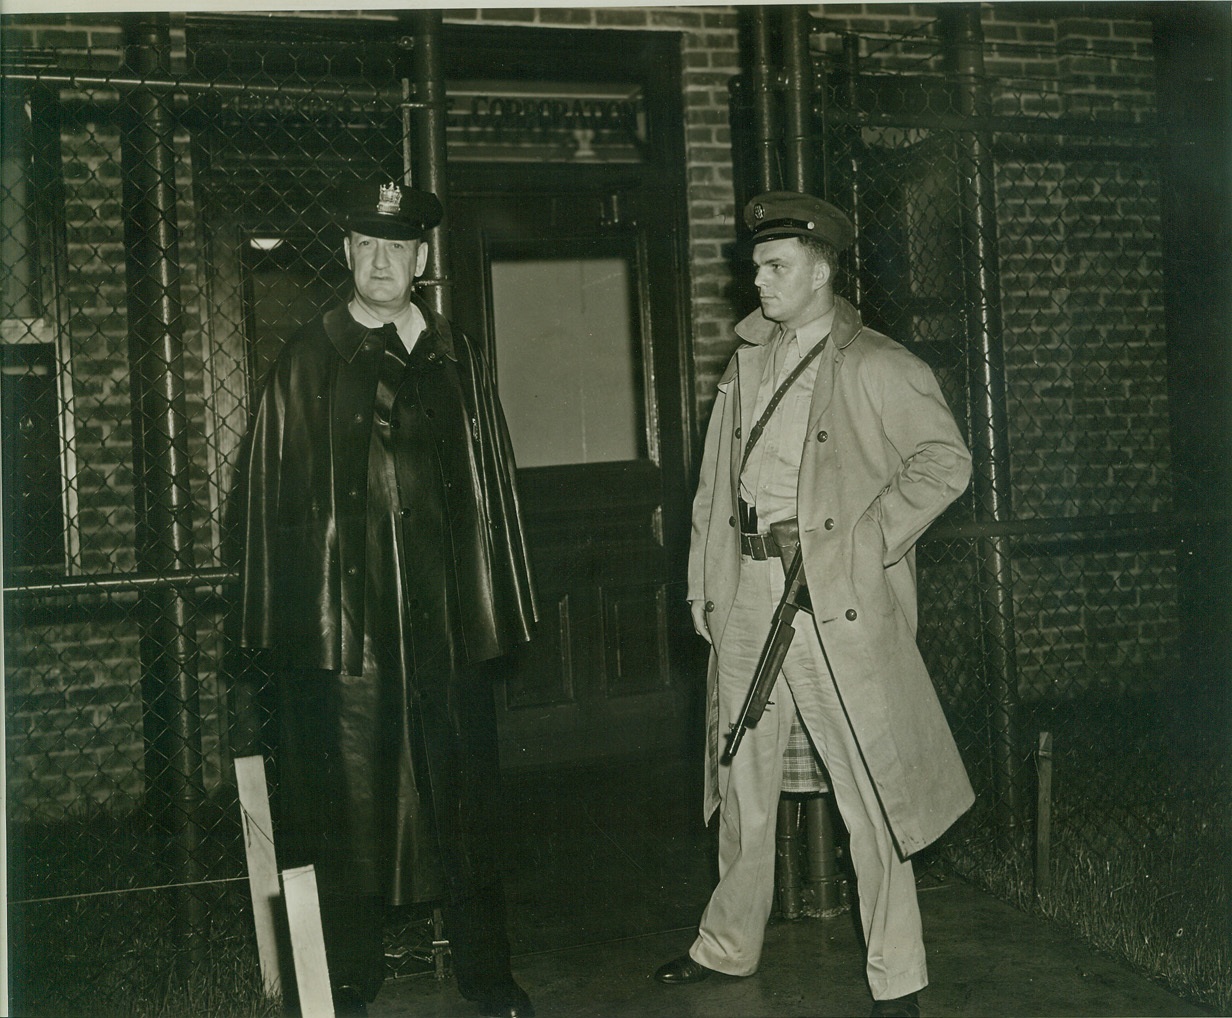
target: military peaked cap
778 214
389 210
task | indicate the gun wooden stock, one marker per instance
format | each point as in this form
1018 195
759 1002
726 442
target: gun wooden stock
773 653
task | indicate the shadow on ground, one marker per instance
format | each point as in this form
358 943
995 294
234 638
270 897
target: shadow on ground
608 871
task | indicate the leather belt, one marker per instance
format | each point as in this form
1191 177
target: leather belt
759 546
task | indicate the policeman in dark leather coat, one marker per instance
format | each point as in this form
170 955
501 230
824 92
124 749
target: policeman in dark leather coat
386 567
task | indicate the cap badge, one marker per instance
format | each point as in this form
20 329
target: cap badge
759 211
390 200
811 225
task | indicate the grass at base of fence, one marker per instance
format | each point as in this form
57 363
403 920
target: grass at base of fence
1155 895
230 988
129 955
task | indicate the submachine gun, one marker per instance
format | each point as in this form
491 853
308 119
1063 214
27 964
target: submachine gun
795 599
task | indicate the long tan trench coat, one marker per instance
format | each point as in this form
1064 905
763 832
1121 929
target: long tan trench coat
882 459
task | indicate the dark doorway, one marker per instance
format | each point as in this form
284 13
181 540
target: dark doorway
567 233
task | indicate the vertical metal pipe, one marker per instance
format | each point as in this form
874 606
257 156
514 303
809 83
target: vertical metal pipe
160 437
989 425
761 83
427 167
798 172
825 877
1043 817
787 858
851 100
801 162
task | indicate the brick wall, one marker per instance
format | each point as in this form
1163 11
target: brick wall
1080 264
1079 249
74 678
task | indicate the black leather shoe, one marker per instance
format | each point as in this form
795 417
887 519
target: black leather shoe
897 1007
682 971
349 1001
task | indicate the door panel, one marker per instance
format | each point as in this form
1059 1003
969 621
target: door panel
569 368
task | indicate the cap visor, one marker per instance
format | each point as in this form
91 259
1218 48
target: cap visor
384 227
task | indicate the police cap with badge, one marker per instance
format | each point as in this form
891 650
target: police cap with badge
388 210
778 214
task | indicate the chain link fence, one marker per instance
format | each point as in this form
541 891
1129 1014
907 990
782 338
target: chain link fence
1008 199
165 229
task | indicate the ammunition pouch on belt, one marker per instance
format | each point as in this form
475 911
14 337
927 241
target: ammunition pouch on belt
781 540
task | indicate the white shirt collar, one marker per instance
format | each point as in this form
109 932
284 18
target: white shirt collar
410 323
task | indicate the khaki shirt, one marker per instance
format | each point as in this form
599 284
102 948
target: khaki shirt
771 476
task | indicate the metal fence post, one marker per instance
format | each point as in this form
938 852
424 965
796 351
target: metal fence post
849 99
989 422
426 162
761 84
801 171
161 459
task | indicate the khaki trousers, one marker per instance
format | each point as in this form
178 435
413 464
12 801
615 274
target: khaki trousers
732 927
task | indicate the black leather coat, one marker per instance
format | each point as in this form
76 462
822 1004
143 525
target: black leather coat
304 489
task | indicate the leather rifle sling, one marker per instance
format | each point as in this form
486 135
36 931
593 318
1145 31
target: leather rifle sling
777 398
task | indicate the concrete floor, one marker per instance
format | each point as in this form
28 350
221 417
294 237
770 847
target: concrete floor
608 872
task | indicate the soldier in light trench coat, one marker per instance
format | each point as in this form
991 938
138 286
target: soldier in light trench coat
882 458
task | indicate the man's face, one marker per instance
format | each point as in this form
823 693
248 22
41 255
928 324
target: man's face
384 269
789 282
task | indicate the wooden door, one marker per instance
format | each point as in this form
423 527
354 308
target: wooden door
559 287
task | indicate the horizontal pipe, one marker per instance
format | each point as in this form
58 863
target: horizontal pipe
126 582
1144 132
1076 527
70 79
1062 526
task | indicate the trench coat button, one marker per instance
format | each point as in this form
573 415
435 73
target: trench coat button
429 413
829 524
851 615
823 436
354 493
709 606
737 432
731 521
358 418
406 514
352 570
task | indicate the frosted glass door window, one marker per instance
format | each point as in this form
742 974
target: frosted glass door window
568 360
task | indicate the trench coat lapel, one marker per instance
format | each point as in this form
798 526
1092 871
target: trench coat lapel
749 363
845 327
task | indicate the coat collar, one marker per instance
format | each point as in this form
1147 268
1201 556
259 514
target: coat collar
756 328
348 335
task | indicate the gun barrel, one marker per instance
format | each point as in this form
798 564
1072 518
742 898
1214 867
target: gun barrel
768 671
768 668
774 653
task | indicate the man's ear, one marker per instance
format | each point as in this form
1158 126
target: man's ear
346 247
421 259
821 273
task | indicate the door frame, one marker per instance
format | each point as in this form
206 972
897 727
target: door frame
657 184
